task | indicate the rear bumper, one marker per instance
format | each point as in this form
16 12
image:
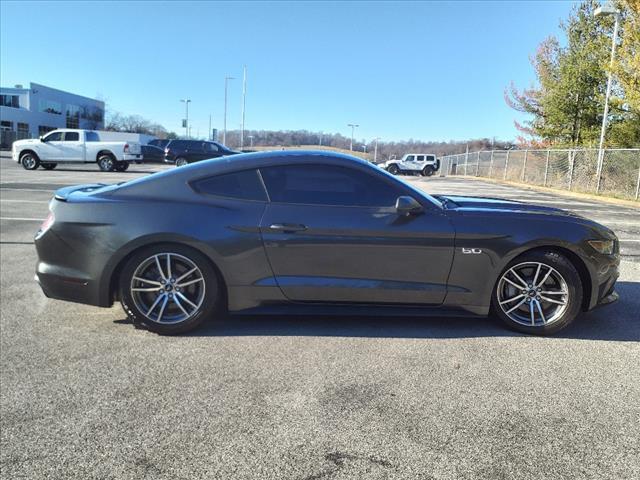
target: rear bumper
66 272
60 286
131 157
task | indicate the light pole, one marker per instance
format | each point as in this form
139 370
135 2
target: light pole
364 148
353 127
251 140
186 120
375 150
606 9
224 132
244 103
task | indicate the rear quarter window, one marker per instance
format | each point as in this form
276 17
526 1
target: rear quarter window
245 185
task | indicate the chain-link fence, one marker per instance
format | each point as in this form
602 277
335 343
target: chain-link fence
575 169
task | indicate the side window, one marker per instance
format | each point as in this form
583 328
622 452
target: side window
420 158
431 158
211 148
71 136
410 158
244 185
327 185
91 137
53 137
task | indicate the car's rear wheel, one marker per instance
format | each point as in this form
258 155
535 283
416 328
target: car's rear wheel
539 293
49 166
29 161
181 162
121 166
106 163
169 289
427 171
393 169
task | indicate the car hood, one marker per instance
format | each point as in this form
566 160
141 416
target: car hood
27 141
499 205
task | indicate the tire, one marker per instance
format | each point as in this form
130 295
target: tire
106 163
49 166
180 162
121 166
145 308
556 275
393 169
427 171
29 161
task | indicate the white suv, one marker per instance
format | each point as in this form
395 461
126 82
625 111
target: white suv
425 164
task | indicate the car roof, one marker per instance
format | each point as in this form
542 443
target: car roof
161 182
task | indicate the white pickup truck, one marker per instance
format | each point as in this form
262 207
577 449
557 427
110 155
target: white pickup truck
74 146
413 163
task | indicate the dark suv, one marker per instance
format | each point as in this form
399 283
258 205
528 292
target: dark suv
182 152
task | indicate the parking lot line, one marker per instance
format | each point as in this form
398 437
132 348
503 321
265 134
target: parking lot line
22 219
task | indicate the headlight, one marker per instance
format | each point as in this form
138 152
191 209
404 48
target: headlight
605 247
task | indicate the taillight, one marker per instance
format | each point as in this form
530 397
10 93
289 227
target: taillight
126 148
46 225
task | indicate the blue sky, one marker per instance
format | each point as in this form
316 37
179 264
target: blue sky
431 71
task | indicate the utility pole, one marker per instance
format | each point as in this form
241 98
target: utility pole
251 140
224 132
375 150
209 136
186 120
353 127
244 103
607 9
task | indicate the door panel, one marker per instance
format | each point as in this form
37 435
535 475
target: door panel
72 149
358 254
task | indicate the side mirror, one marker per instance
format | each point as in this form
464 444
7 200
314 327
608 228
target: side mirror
406 206
41 138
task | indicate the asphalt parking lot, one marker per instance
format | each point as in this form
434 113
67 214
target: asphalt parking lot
85 395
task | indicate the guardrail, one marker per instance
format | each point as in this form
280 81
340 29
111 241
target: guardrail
569 169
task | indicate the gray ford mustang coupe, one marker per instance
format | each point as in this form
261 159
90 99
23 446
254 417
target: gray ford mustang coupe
315 232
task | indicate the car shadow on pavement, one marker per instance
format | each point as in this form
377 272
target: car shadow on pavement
617 322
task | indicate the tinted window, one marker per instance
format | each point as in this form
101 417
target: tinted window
71 136
210 148
431 158
53 137
420 158
245 185
410 158
159 142
327 185
91 137
178 145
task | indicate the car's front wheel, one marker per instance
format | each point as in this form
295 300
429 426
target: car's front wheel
393 169
538 293
169 289
29 161
181 162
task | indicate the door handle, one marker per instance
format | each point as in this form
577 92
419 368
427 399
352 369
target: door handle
288 227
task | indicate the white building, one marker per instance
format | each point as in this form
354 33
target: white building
34 111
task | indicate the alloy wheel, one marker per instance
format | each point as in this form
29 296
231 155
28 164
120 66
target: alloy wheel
168 288
533 294
29 162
